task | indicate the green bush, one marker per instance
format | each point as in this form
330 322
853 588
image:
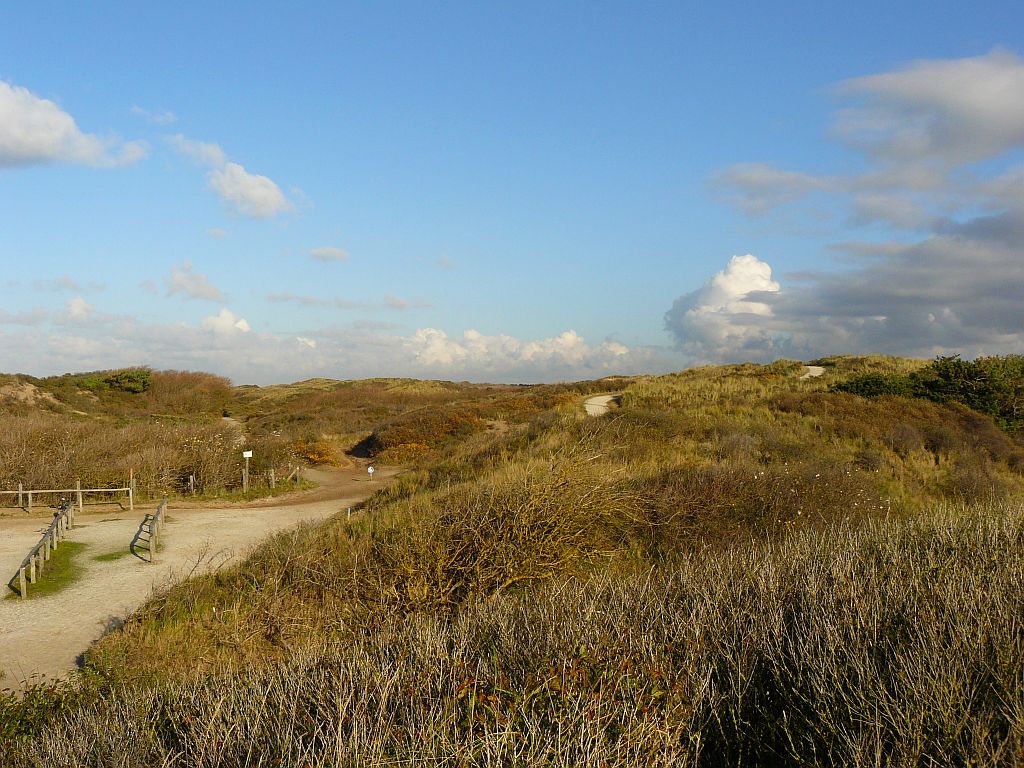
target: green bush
990 385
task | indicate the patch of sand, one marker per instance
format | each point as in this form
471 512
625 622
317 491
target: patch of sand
600 404
46 636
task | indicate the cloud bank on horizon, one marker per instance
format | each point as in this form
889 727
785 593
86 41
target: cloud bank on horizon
938 145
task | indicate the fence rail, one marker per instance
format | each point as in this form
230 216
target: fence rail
26 494
150 530
32 566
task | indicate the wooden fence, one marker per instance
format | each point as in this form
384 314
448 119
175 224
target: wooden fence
150 530
32 566
26 495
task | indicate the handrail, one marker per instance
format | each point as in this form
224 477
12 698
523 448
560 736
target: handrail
152 525
33 564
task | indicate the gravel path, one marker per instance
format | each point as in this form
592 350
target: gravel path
47 635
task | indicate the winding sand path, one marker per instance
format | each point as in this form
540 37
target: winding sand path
813 371
600 404
47 635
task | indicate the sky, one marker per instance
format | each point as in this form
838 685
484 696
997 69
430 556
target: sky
515 192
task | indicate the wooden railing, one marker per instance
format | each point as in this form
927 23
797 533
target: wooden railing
24 494
150 530
32 566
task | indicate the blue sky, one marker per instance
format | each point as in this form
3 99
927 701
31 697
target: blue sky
518 192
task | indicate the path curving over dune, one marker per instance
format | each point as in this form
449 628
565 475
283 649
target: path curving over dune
45 636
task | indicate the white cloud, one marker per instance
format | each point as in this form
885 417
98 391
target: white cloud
329 254
79 309
191 284
225 343
757 188
226 322
157 117
248 193
30 317
945 111
939 142
216 232
725 316
566 355
200 151
34 130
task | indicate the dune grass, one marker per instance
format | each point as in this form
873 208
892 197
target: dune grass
735 567
895 641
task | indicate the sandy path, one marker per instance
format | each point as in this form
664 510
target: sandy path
45 636
813 371
600 404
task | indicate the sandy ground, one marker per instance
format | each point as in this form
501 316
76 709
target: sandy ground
600 404
46 636
813 371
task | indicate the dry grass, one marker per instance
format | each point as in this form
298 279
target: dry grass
894 643
735 567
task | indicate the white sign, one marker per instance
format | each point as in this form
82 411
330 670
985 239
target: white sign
370 470
246 454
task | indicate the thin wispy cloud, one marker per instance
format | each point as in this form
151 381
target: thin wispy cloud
183 281
157 117
329 254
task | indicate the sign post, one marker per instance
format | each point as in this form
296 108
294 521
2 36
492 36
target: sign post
245 472
371 470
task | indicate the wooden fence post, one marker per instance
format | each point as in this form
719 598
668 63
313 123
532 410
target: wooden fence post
22 586
78 490
32 567
273 479
131 496
21 501
30 502
46 548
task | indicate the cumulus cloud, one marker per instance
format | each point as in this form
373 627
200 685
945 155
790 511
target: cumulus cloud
191 285
329 254
217 233
939 141
226 322
247 193
567 354
79 309
34 130
725 317
225 343
944 295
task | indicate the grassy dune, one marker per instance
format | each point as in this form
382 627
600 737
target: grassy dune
737 566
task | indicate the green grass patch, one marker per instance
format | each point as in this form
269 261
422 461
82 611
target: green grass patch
62 570
109 557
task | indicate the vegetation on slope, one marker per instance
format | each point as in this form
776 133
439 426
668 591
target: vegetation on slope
737 566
